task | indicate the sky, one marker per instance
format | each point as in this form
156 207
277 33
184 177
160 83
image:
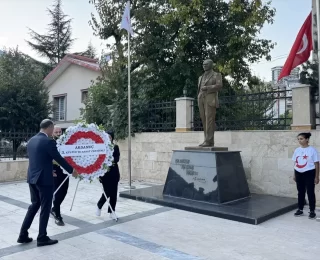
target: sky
17 15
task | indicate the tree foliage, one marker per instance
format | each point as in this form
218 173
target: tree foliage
249 108
310 74
173 37
107 102
57 42
90 52
23 97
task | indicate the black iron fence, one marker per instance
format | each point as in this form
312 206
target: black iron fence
160 117
13 144
255 111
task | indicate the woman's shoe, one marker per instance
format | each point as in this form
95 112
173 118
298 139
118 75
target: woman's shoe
113 216
98 212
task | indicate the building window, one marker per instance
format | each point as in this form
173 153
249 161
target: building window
59 108
84 95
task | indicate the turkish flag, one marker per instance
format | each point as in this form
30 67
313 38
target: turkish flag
300 51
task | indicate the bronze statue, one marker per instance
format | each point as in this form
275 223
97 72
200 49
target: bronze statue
208 86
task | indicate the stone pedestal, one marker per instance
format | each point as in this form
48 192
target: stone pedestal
207 176
301 108
184 114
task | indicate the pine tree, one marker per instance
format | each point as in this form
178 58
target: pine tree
57 42
90 52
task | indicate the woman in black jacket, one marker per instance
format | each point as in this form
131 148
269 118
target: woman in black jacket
110 182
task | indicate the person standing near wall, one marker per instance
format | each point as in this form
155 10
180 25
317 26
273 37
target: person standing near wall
306 174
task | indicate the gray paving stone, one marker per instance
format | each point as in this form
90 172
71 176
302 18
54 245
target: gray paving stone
151 232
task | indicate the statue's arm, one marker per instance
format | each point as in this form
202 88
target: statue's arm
217 86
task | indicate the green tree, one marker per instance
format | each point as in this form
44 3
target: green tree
57 41
90 52
286 119
172 39
107 102
310 75
23 97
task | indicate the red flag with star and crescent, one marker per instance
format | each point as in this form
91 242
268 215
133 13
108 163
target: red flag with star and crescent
300 51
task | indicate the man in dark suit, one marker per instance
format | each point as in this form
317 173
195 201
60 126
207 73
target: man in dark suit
41 151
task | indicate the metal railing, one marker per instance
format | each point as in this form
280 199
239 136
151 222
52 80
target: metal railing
160 117
254 111
13 144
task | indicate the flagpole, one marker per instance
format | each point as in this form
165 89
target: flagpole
129 112
318 38
126 24
129 115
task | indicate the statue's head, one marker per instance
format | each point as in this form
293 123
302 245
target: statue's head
208 65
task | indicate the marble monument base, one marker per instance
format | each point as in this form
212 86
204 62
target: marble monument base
254 210
208 176
212 183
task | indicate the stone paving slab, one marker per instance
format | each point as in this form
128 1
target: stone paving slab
11 218
150 232
87 196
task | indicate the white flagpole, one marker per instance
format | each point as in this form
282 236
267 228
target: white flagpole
126 24
318 38
129 113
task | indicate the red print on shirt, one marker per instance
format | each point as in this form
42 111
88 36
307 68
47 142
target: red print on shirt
300 166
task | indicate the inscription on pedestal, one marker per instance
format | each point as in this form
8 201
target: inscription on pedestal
192 177
209 176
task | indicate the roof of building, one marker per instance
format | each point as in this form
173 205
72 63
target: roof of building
69 59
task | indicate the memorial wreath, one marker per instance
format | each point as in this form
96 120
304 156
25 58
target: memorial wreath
88 149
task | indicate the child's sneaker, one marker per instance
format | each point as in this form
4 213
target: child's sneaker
312 215
298 213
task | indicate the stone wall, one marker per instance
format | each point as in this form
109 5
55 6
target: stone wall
266 156
13 170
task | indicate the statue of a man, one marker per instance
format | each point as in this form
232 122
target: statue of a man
208 86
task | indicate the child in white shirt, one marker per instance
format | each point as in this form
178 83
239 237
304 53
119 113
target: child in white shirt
306 173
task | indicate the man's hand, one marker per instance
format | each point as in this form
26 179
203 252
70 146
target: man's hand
75 173
54 174
294 177
204 88
316 180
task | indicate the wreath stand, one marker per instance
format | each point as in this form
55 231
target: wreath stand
57 190
107 200
68 175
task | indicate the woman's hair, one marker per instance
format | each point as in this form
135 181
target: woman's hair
305 135
111 133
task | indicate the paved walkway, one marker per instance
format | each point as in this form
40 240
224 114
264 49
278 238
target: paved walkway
147 231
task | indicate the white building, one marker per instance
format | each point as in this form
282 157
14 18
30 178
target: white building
283 101
282 83
68 87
